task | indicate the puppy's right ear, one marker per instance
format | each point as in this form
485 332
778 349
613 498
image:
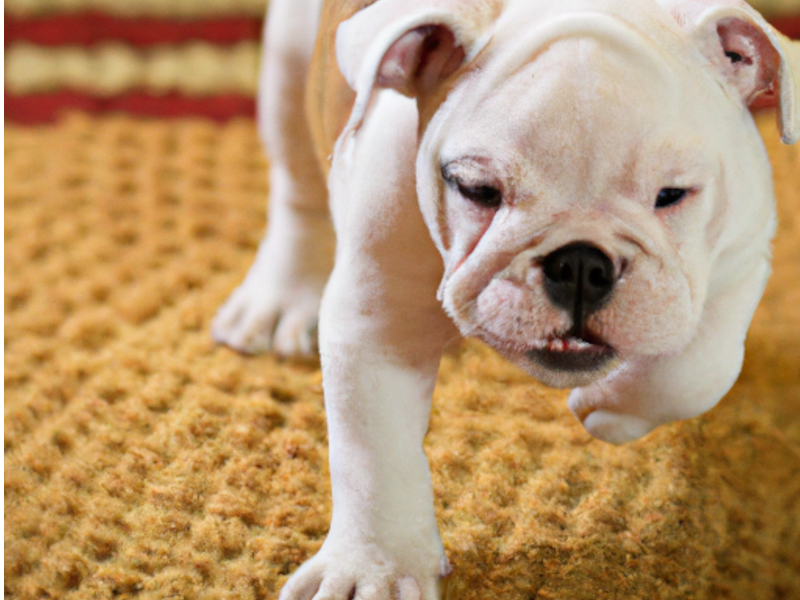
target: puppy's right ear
411 46
753 59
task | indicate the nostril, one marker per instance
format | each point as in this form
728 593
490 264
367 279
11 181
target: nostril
561 268
598 277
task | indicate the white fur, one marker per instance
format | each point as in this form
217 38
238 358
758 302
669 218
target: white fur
580 111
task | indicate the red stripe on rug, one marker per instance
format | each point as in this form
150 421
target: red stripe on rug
788 26
92 27
33 109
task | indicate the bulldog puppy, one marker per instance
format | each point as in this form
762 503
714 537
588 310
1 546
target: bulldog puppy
579 184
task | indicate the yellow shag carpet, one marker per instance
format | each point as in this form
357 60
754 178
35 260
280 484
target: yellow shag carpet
143 461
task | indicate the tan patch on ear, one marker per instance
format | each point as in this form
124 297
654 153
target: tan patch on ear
420 59
752 62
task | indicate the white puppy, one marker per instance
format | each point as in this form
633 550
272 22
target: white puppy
578 183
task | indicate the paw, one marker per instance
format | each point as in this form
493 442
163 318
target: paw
365 575
276 308
260 316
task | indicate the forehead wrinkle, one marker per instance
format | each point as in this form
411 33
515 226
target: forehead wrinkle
586 108
578 120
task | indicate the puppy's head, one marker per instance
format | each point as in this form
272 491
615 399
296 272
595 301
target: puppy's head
598 191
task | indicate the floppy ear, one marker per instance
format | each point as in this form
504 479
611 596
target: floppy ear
760 64
411 46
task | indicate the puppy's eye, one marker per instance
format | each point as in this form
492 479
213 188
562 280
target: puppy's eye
670 196
484 195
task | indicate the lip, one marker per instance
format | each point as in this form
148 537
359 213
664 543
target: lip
571 354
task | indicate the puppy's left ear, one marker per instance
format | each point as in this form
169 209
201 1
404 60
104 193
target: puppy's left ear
758 62
411 46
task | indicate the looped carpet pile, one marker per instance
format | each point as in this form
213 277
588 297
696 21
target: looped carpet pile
142 461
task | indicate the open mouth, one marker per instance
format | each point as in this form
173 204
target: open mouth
571 353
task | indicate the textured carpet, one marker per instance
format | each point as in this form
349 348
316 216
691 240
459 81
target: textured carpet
143 461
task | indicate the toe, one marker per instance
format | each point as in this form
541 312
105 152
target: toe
409 589
373 591
225 320
336 588
303 584
255 332
296 334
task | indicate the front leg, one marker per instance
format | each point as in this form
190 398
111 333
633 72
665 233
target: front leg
381 336
383 541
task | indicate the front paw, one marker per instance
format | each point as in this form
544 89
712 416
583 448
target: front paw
364 572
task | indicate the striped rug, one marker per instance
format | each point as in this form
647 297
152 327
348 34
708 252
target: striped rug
161 58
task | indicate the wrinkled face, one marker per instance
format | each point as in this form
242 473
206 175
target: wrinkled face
575 210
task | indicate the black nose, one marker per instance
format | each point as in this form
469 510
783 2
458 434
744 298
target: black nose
578 278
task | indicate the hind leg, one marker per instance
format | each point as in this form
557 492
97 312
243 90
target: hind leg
277 305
